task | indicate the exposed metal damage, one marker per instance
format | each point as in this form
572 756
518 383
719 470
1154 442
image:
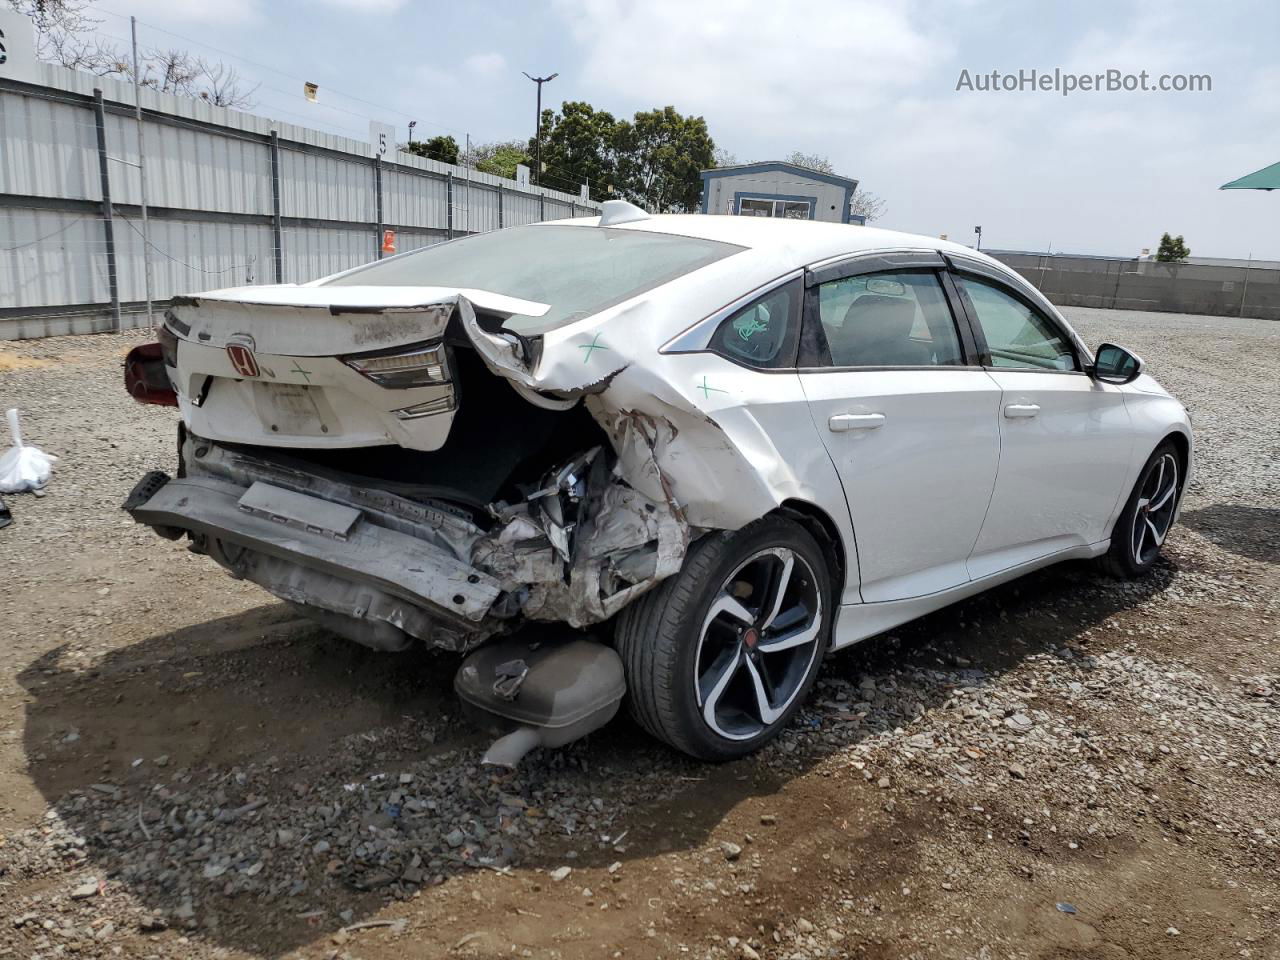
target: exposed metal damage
591 541
385 570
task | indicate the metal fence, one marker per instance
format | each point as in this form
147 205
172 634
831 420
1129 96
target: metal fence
232 199
1132 284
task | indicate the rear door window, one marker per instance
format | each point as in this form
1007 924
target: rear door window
888 320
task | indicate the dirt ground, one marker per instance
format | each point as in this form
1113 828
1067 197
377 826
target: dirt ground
1066 767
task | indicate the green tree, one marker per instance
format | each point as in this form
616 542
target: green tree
660 154
444 149
500 158
579 145
1172 249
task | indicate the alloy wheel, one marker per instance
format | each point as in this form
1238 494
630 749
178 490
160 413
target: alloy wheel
758 643
1154 513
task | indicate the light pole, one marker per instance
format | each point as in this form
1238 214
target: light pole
978 231
412 124
142 176
537 136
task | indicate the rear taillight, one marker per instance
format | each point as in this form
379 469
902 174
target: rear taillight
417 365
146 376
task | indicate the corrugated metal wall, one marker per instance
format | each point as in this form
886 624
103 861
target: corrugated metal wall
210 198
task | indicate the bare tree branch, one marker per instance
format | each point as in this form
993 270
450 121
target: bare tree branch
867 205
66 34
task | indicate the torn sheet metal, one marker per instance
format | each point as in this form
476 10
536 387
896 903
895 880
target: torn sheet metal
582 549
712 454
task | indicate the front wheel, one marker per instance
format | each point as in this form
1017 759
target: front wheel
720 656
1144 522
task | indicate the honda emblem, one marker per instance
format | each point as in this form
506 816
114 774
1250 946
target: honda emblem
242 359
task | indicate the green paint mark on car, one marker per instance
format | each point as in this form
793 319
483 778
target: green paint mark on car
707 389
595 344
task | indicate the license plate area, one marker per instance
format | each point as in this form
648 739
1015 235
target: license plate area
291 409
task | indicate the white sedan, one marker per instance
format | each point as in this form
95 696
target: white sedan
720 446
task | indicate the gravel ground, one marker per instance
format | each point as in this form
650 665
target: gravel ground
1064 767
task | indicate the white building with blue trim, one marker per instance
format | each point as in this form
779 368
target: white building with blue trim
777 189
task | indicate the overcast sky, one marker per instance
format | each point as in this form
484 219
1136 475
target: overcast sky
870 85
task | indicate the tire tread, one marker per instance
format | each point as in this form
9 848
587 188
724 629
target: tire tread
648 634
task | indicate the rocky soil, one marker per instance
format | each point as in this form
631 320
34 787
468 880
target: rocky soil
1064 767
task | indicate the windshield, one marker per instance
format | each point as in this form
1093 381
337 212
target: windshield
577 270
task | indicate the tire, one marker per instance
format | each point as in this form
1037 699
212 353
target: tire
1140 531
678 641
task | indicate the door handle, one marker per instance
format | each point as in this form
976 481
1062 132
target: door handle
1015 411
855 421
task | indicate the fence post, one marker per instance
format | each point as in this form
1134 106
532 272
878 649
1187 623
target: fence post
277 230
377 190
449 201
541 205
499 206
108 226
1244 294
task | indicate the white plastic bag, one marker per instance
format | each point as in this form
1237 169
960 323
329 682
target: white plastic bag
23 468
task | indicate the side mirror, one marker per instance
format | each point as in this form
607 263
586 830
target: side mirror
1115 364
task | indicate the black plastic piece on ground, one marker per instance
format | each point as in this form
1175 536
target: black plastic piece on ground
145 489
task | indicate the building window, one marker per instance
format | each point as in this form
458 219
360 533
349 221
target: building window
761 207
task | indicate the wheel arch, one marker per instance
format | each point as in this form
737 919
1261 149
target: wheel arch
1182 444
823 528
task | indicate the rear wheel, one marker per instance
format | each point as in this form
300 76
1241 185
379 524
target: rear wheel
720 656
1144 523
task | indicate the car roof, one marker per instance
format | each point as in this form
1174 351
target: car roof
795 242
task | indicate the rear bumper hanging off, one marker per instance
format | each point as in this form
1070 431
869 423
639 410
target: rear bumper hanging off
394 563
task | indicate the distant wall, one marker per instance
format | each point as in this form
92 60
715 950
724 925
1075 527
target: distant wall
233 199
1221 291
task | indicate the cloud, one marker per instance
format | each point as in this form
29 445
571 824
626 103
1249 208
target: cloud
166 12
805 64
366 6
485 64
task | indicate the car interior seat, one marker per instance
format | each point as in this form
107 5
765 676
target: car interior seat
877 332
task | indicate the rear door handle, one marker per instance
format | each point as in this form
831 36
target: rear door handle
855 421
1015 411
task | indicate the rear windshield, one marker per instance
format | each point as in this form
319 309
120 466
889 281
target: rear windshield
577 270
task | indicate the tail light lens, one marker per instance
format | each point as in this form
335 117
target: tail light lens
146 377
417 365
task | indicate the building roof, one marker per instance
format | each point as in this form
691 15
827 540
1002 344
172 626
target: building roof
776 166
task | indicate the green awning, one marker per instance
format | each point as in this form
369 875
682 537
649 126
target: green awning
1268 178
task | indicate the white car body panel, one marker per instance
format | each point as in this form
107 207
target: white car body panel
933 459
946 497
858 621
1061 469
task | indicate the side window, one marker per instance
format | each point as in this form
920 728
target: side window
763 333
888 320
1017 335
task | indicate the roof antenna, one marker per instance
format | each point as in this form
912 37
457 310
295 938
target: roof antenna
613 212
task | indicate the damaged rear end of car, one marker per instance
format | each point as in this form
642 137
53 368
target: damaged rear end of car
489 509
450 445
